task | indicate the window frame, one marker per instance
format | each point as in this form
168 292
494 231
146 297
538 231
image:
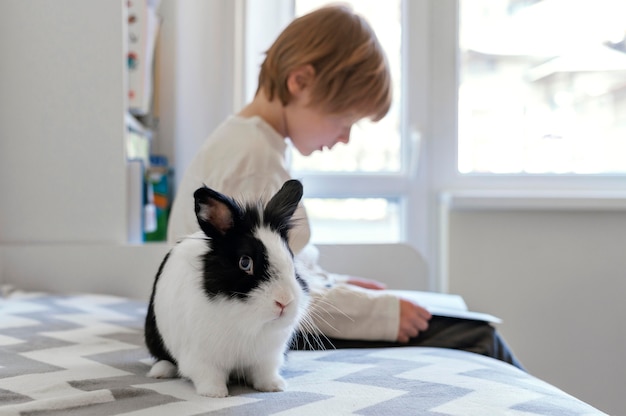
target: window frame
429 129
445 64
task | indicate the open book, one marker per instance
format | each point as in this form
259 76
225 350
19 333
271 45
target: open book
444 304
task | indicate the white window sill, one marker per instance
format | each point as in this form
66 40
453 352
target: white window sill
534 200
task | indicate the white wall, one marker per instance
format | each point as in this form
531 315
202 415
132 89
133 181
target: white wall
62 175
557 277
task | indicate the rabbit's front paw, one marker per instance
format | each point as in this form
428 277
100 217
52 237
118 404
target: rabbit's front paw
163 369
270 384
212 390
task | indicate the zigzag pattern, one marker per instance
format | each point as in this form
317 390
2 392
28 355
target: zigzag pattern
85 355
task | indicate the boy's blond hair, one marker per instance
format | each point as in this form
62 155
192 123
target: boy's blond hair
351 69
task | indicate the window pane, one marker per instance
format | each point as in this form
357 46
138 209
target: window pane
373 147
542 86
353 220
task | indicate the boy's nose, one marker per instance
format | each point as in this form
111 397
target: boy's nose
344 138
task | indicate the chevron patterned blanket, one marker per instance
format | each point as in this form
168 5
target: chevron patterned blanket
84 355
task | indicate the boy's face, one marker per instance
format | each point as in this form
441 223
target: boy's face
311 129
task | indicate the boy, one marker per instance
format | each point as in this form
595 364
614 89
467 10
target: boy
323 73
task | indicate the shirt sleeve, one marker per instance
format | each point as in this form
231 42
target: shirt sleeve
345 311
349 312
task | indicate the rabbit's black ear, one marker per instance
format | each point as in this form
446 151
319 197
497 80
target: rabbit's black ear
282 206
215 212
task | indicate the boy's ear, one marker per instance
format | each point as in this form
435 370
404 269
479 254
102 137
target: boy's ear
300 78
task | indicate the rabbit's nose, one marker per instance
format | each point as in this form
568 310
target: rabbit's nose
282 304
281 307
283 298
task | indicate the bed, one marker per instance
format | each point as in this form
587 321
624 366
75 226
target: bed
84 354
74 346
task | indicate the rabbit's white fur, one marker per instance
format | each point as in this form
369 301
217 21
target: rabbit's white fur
213 339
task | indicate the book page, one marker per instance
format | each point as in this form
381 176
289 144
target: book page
444 304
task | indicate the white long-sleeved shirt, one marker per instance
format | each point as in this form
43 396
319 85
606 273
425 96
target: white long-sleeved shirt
245 158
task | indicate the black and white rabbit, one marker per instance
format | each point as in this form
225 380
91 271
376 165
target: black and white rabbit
226 300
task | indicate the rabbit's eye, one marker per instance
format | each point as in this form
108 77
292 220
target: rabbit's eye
245 264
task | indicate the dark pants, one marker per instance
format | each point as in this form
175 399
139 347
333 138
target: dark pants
461 334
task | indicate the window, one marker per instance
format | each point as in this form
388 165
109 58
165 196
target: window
542 87
354 220
444 131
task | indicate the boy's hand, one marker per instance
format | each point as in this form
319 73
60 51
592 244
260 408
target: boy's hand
413 319
366 283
